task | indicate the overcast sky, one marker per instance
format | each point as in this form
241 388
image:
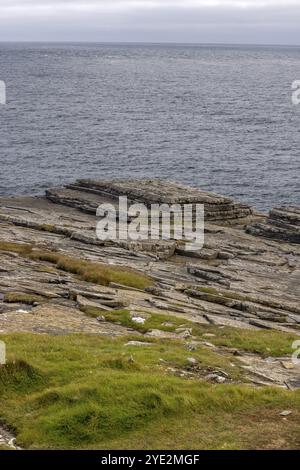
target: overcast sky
193 21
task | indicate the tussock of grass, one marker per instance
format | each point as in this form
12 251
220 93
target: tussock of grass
17 374
23 298
93 392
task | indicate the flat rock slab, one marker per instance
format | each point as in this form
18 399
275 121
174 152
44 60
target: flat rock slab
270 371
86 193
151 191
58 320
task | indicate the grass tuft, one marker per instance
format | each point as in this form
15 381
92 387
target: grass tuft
23 298
19 374
19 248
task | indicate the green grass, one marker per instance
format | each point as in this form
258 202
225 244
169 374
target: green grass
90 392
154 322
122 317
23 298
266 343
88 271
81 391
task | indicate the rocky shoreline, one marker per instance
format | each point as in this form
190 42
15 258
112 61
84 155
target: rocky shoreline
246 276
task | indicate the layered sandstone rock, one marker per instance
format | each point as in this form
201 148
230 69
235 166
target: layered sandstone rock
87 195
237 279
283 224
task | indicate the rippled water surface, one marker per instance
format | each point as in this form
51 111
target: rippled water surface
219 118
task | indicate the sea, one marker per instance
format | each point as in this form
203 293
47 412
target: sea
217 117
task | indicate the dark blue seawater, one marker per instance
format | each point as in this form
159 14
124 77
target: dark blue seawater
217 117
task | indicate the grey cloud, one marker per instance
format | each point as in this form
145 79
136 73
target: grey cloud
247 21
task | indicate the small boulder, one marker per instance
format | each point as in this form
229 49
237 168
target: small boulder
215 378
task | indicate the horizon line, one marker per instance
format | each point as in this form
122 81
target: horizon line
170 43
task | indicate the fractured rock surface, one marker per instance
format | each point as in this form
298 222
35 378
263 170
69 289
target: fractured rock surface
283 224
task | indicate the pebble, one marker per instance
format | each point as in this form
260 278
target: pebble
140 320
138 343
287 365
162 361
286 413
192 361
183 330
101 318
216 378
